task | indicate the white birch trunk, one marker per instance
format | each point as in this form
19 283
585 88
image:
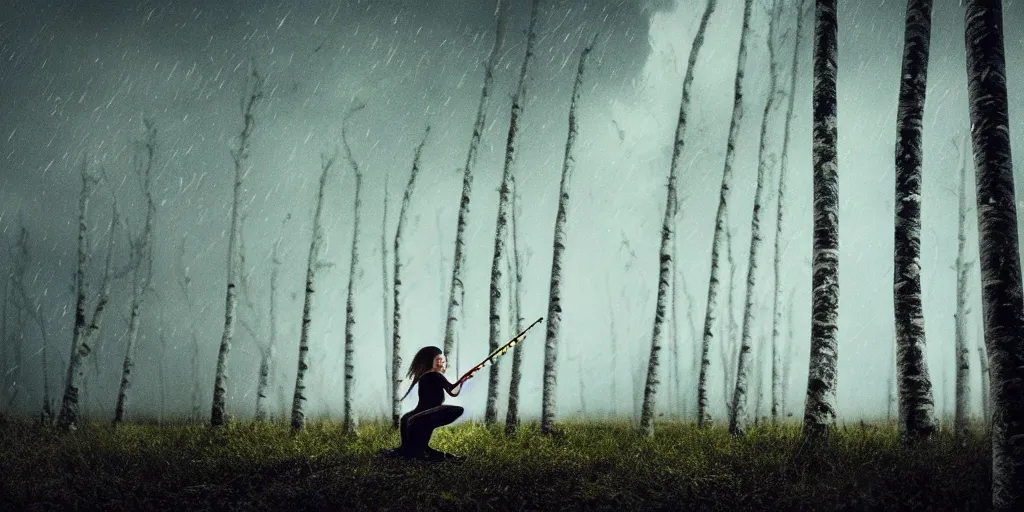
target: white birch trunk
554 317
384 287
218 415
298 420
730 329
963 367
512 414
84 333
268 352
710 316
142 273
396 339
348 422
998 247
457 296
777 391
986 403
739 397
820 404
501 225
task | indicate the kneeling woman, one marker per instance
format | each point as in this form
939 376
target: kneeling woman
417 426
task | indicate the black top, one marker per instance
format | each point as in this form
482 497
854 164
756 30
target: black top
432 388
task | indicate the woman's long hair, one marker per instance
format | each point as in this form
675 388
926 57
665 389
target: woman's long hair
422 363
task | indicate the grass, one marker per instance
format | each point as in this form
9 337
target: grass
589 466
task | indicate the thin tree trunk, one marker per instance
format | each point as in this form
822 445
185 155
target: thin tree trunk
703 415
916 402
820 405
501 225
554 318
218 415
777 399
348 423
384 282
84 334
787 363
313 263
890 389
730 329
739 397
999 251
457 297
986 404
694 333
396 340
268 352
69 411
677 389
665 266
46 415
129 357
142 272
962 267
512 415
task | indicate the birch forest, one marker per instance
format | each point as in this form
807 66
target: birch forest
729 213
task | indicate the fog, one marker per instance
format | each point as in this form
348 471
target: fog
77 78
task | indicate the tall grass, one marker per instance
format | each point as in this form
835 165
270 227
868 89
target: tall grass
589 465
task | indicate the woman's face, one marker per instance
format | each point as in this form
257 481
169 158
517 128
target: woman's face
440 363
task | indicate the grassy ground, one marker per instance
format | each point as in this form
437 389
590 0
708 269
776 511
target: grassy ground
590 466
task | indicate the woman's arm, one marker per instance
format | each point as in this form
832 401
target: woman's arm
452 389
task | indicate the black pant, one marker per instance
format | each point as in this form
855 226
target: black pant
418 426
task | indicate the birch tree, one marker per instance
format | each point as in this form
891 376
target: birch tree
998 247
554 317
350 316
396 339
313 264
141 267
240 156
501 225
820 405
269 349
915 388
730 329
647 409
777 393
457 295
384 282
963 273
84 332
986 403
516 318
739 397
721 216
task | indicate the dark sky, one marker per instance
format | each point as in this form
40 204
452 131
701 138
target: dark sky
76 78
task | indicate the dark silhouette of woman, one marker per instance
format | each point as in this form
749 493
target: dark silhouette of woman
417 426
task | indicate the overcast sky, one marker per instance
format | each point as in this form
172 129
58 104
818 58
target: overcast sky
76 78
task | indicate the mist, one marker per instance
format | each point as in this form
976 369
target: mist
77 79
